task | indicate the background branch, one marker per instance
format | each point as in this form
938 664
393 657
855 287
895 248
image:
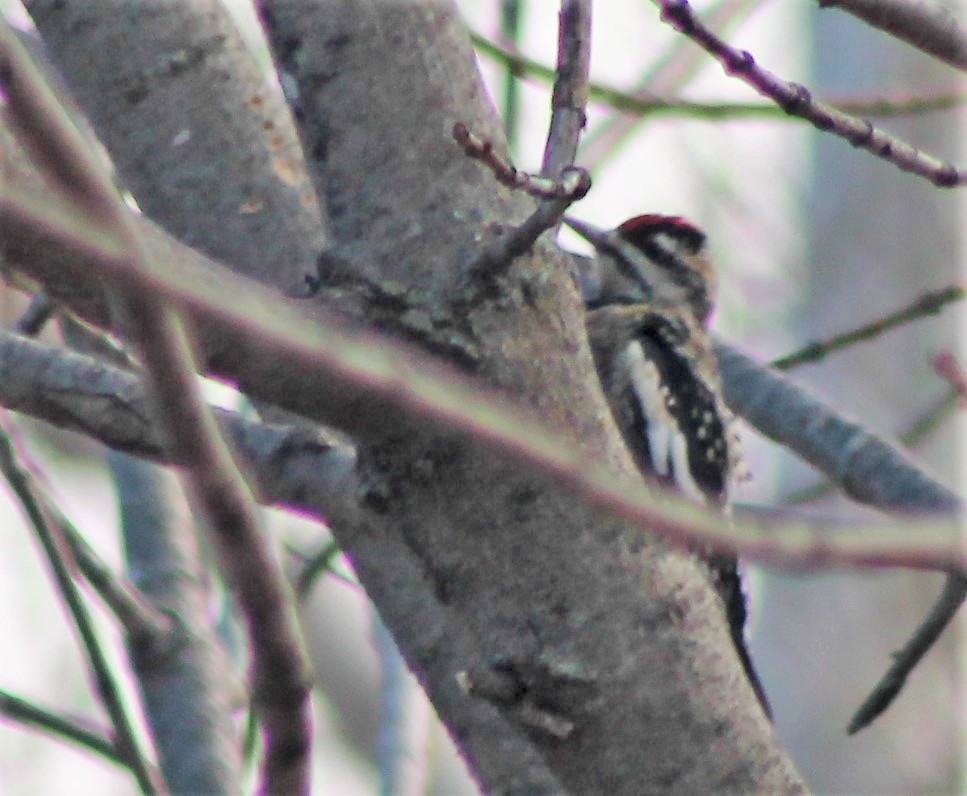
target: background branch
56 551
930 26
30 715
868 470
796 100
928 304
643 102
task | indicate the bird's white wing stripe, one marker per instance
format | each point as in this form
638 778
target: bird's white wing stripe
646 382
682 472
666 442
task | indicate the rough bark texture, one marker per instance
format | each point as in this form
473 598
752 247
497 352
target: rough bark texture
624 679
195 132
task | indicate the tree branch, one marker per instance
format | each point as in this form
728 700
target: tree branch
28 714
867 469
920 427
928 304
63 568
796 100
280 671
645 103
74 391
570 96
477 537
930 26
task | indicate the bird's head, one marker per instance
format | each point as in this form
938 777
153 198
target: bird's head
656 259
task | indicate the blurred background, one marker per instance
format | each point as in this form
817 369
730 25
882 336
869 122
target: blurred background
812 238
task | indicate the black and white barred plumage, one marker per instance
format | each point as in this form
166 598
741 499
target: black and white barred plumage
647 322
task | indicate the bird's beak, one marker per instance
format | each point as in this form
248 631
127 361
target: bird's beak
592 234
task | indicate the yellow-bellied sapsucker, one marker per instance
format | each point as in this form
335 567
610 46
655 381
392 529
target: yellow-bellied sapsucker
647 323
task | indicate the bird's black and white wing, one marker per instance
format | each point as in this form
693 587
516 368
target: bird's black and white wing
662 384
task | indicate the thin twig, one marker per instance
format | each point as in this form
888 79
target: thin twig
318 565
482 149
63 568
87 737
928 304
558 194
930 420
796 100
905 660
143 623
569 99
35 316
560 183
494 257
146 627
669 71
642 102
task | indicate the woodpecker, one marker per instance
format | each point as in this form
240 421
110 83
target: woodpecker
647 320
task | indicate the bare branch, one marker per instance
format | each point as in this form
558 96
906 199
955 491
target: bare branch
566 186
63 568
71 390
81 393
928 25
281 680
280 669
30 715
494 257
906 659
144 624
668 71
558 193
644 103
570 97
181 668
866 468
796 100
920 427
928 304
560 182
